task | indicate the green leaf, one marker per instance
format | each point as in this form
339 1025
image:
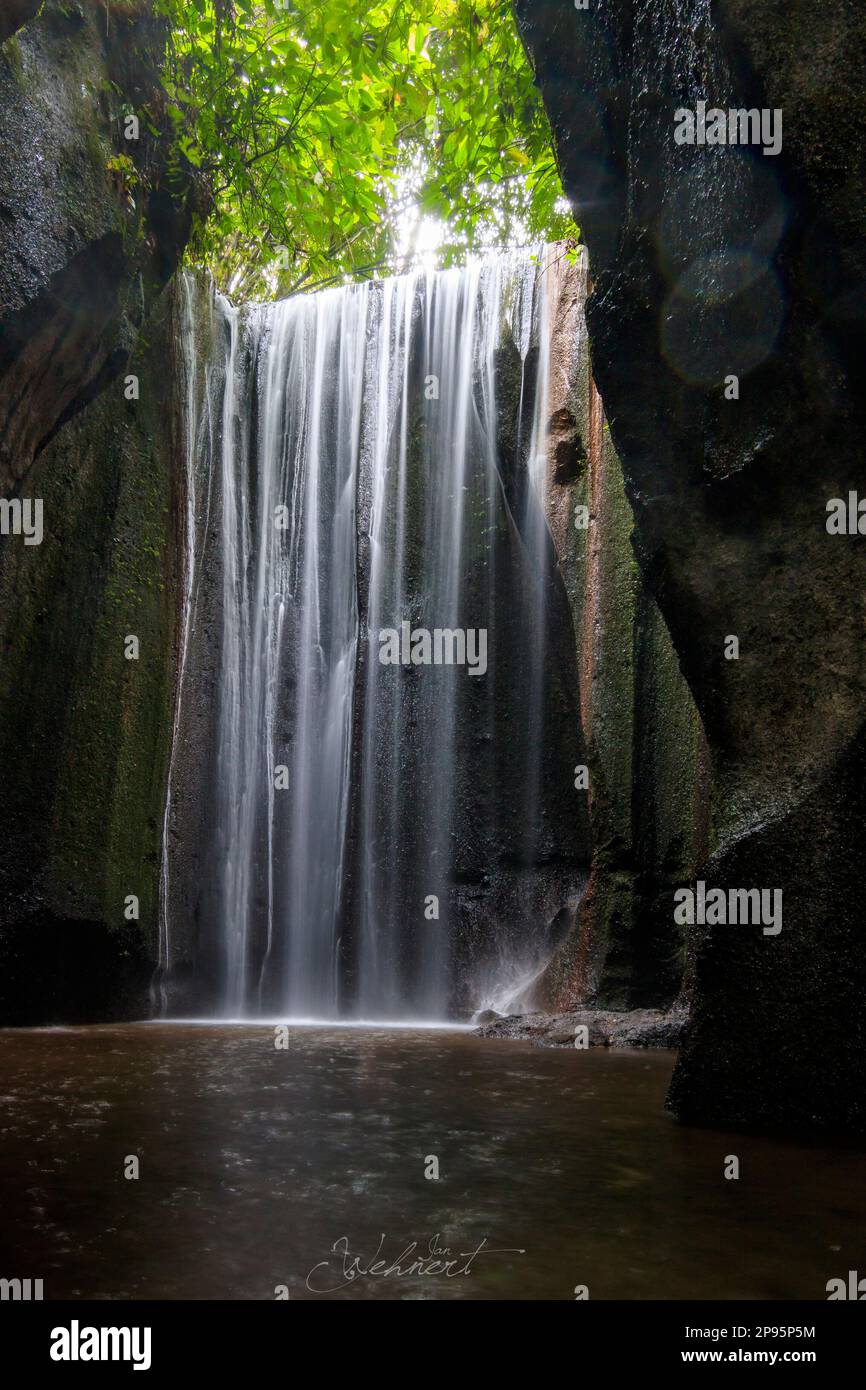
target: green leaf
430 101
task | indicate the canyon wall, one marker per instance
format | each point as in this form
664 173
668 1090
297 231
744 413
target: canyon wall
89 236
648 763
711 263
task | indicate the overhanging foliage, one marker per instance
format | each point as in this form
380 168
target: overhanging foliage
315 124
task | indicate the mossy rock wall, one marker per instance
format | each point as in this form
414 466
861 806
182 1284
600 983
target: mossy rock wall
92 221
90 234
84 731
730 491
649 784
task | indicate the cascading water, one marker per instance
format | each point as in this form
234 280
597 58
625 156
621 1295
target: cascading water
375 840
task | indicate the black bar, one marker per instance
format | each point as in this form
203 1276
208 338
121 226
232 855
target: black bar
251 1340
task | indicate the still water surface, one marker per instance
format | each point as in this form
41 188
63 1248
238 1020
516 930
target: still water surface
261 1167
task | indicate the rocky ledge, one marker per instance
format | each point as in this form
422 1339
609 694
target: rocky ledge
605 1027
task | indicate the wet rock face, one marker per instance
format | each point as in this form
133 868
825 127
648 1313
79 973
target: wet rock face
15 13
647 760
85 246
84 732
712 262
88 230
50 974
582 1028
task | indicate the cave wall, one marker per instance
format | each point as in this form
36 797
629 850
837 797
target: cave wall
15 13
84 256
91 222
712 261
649 776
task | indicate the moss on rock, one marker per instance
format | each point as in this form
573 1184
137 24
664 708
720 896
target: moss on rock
84 731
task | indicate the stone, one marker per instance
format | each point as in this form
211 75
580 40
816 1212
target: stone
730 497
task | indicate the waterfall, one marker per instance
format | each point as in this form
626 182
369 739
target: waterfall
374 840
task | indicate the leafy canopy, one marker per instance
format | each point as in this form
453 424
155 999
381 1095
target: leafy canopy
325 131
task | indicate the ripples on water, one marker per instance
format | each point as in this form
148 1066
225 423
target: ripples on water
256 1163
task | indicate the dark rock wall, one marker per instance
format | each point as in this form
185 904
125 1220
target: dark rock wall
90 228
710 261
83 730
648 763
189 977
14 14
